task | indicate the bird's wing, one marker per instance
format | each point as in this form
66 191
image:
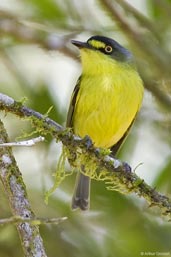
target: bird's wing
114 149
69 122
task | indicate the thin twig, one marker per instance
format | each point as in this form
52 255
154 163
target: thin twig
29 142
34 221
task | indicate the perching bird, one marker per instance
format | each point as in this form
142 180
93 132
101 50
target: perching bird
105 101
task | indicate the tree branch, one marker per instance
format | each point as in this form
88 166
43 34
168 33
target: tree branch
30 32
15 190
90 160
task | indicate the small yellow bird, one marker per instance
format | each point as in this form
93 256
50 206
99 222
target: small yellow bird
105 101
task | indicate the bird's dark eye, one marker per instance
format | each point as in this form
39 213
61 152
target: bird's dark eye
108 49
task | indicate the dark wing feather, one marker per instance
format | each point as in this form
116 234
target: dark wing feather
82 187
69 122
114 149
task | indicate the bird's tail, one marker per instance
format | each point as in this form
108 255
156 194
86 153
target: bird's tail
81 192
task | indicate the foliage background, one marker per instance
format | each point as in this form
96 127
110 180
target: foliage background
37 61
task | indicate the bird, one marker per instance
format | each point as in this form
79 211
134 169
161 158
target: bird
105 101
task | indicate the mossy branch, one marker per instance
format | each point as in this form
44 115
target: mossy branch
90 160
15 190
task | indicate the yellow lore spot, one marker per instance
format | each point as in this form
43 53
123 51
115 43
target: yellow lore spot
97 44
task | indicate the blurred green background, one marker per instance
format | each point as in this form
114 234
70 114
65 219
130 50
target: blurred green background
37 61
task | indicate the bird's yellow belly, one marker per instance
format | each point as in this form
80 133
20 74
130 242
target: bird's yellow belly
105 111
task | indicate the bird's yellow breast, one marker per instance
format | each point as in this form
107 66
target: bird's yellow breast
107 103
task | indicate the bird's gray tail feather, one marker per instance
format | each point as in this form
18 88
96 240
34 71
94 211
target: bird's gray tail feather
81 192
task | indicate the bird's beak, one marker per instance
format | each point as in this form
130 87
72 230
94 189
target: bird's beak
80 44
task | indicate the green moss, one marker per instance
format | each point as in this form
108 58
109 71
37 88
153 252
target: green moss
59 175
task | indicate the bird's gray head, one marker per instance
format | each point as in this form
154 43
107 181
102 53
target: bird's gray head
106 46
